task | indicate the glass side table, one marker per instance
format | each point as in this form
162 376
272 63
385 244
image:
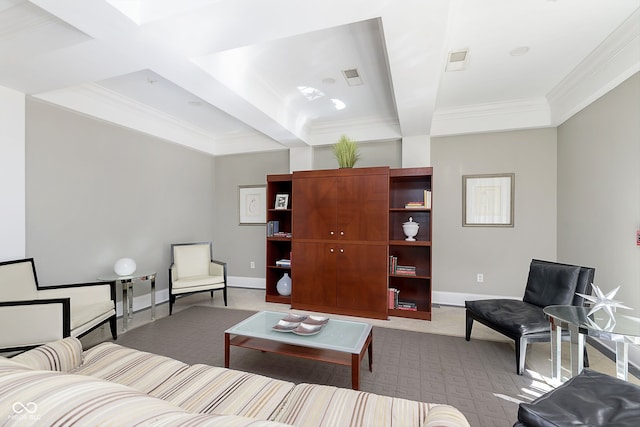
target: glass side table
621 329
127 288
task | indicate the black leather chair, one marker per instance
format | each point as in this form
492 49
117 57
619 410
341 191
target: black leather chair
549 283
589 399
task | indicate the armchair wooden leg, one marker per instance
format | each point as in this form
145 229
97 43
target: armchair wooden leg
172 300
113 324
224 294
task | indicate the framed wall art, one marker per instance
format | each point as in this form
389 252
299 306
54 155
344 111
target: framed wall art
252 205
487 200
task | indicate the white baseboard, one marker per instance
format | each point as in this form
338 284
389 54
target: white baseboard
457 299
247 282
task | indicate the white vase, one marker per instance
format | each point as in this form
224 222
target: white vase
124 267
410 229
284 285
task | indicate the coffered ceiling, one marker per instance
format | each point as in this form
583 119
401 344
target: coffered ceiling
238 76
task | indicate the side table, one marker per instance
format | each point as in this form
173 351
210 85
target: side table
127 287
621 329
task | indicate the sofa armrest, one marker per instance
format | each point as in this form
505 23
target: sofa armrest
34 322
62 355
445 416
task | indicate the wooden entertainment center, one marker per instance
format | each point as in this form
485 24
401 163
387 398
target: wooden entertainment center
341 229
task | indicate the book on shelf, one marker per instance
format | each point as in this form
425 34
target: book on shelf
407 305
406 270
282 234
414 205
283 263
393 297
427 199
272 228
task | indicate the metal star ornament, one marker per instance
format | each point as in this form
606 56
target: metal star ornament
603 301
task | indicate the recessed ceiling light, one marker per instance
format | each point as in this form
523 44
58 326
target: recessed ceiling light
519 51
352 76
457 60
329 81
338 104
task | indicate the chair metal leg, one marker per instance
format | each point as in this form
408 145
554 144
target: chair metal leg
469 325
224 294
521 352
172 300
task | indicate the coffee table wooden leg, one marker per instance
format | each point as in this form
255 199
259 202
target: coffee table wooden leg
370 351
226 350
355 371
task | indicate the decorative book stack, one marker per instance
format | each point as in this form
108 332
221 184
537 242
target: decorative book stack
424 204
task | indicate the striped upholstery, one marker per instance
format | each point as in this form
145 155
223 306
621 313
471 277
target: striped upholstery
207 389
138 369
46 398
318 405
148 389
63 356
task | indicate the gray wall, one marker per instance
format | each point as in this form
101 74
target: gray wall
239 245
599 190
96 192
501 254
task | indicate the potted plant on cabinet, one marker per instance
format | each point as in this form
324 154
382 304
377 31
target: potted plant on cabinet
346 152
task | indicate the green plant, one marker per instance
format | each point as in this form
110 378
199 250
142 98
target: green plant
346 152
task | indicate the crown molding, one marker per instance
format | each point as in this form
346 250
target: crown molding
491 117
612 62
96 101
364 129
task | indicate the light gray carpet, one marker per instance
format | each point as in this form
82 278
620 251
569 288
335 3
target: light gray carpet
477 377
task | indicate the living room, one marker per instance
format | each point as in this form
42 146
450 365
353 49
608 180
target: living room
80 192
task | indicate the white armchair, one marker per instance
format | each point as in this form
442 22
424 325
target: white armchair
32 315
194 270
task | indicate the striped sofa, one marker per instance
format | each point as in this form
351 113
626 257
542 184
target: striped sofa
59 384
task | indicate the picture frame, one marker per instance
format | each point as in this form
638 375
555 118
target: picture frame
252 205
282 201
488 200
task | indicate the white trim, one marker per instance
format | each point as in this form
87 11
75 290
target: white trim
247 282
457 299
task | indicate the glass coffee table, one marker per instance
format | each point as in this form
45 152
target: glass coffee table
340 341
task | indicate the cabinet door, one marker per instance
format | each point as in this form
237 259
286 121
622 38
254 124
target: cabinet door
314 276
363 206
314 216
362 278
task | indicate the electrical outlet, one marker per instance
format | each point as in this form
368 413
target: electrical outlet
252 264
480 278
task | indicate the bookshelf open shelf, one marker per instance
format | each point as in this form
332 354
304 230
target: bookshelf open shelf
405 186
278 247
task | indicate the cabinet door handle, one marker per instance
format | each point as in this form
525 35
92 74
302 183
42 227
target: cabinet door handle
331 233
341 250
342 233
331 250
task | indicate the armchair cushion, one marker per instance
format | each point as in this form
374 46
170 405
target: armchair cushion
550 284
62 355
514 317
192 260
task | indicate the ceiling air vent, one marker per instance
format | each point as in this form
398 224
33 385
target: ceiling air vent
457 60
352 76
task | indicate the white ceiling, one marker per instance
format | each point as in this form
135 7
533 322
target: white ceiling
223 76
